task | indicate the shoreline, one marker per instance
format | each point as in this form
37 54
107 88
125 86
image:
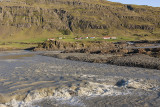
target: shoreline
143 54
139 60
13 49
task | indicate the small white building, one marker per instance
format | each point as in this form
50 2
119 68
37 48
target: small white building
86 37
60 38
51 39
106 37
113 37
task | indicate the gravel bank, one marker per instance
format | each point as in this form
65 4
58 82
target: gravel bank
138 60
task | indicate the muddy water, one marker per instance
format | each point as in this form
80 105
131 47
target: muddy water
28 79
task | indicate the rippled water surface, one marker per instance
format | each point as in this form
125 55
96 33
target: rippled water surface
29 79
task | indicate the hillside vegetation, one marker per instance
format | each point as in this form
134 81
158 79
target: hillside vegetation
36 20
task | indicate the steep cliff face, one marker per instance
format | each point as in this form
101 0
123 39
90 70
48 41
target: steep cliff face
21 16
84 16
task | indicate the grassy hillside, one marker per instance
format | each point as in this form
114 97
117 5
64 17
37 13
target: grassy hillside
33 21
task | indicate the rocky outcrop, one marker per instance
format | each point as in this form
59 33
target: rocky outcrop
143 54
143 27
74 46
120 48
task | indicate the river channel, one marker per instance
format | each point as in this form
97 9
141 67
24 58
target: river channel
28 79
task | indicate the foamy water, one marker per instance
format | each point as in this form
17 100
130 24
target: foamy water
31 81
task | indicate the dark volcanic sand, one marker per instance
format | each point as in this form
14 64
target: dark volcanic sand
32 78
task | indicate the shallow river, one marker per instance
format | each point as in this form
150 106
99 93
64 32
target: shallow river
31 80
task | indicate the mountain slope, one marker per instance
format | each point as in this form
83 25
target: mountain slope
27 19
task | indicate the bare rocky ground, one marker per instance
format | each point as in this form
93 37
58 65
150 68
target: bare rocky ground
137 60
29 79
143 54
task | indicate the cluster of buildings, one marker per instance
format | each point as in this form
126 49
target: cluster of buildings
104 37
87 37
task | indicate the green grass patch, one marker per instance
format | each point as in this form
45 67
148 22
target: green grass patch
16 45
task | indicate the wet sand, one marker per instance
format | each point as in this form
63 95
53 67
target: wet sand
29 79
